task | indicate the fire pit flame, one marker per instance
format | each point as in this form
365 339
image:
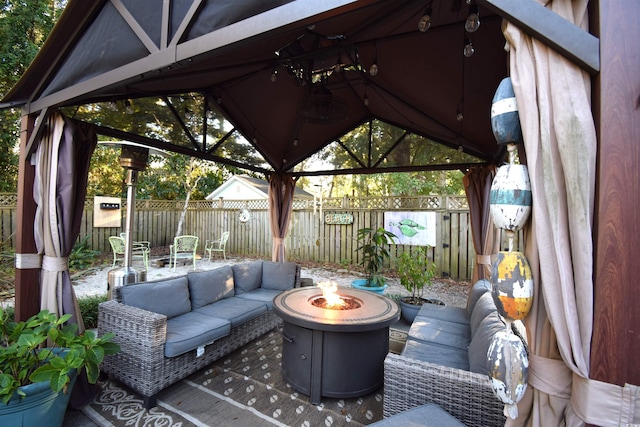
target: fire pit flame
331 300
329 292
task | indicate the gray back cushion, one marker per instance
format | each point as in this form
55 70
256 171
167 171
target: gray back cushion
169 296
482 309
278 275
481 341
477 290
247 276
210 286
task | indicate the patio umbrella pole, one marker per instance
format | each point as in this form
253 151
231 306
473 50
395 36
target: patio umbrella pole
133 159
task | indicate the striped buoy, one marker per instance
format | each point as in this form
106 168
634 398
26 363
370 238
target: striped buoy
505 121
512 285
510 197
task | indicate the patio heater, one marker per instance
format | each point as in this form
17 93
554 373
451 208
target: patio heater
133 159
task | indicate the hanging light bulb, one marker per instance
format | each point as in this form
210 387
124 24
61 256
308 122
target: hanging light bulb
274 76
468 49
374 68
473 20
365 100
459 116
425 22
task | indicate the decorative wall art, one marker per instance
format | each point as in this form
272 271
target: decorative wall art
412 228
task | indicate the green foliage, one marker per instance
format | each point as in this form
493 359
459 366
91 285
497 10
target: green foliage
373 245
24 26
415 272
23 360
89 309
81 256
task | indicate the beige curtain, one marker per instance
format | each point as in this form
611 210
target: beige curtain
553 97
477 185
62 164
281 188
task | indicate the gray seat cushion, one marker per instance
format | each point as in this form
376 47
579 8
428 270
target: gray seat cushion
436 353
265 296
168 296
424 415
441 332
278 275
247 276
192 330
210 286
235 310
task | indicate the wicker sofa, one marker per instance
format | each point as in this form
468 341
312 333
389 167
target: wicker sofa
444 362
170 328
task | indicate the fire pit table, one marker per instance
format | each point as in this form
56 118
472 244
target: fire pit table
334 351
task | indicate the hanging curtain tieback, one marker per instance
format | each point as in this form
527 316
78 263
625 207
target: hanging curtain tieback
550 376
605 404
50 263
27 261
483 259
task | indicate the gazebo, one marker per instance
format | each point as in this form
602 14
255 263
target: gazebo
292 76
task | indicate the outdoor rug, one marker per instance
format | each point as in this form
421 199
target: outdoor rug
244 388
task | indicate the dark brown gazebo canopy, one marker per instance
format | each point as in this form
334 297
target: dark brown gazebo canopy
292 77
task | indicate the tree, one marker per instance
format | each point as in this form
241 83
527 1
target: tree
24 26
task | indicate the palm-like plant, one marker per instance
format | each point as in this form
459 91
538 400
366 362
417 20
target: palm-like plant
374 247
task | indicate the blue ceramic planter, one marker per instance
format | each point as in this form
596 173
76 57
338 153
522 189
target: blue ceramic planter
362 285
41 406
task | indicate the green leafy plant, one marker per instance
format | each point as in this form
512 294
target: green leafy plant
415 272
89 309
374 247
81 257
44 348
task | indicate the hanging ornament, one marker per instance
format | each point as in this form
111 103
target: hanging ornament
505 121
510 197
508 367
512 285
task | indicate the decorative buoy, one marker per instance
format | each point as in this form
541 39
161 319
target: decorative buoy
510 197
508 367
512 285
505 121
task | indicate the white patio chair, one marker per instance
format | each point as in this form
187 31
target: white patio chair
218 245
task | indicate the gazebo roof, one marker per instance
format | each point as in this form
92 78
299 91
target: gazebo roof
291 76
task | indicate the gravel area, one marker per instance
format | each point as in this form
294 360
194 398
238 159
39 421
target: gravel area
94 282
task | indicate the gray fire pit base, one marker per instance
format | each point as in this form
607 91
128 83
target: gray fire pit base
333 364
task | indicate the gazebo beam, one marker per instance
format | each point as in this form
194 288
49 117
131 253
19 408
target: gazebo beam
551 29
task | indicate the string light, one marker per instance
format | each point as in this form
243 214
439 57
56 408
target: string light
425 22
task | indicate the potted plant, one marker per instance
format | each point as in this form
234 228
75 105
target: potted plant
415 272
39 361
373 245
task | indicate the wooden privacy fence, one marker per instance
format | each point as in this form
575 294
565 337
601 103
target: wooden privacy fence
310 237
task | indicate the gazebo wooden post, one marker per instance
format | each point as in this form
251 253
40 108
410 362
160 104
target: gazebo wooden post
616 333
27 278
